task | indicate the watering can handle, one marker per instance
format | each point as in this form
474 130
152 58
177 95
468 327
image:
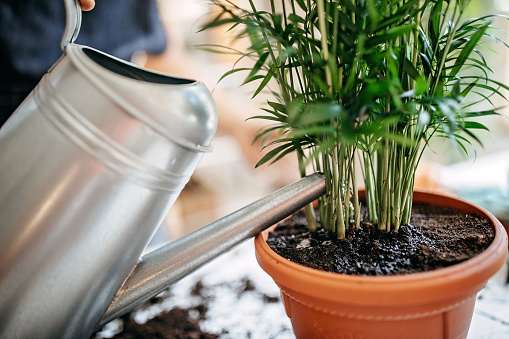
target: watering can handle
73 22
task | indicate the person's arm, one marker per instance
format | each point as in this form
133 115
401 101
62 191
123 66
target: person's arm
87 5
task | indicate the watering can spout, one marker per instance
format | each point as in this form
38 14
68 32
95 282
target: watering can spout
166 265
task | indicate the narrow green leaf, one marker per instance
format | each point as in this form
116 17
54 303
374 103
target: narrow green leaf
421 86
258 65
278 107
410 69
266 132
467 49
456 139
270 74
467 90
232 71
390 35
252 78
274 152
475 125
434 23
264 117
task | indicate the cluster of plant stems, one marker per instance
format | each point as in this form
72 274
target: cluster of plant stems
359 88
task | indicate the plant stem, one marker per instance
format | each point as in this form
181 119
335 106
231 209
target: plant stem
323 39
384 190
309 210
338 174
355 192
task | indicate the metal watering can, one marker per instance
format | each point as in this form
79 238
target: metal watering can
90 164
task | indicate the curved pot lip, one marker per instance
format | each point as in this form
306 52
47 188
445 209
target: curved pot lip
476 270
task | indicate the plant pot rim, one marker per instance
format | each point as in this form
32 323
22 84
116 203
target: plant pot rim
473 272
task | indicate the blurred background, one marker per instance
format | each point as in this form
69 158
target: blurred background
226 178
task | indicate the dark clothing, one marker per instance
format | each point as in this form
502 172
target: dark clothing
31 30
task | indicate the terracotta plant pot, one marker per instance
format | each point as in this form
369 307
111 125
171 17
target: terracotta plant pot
434 304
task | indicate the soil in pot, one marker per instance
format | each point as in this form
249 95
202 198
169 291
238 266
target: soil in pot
436 237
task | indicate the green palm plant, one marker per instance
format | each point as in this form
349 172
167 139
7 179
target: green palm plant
362 85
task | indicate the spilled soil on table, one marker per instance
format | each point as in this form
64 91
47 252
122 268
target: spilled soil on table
185 323
436 237
174 324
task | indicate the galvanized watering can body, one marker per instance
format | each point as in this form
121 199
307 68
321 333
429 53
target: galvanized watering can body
90 163
87 178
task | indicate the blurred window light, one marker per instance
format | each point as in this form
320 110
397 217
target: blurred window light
502 5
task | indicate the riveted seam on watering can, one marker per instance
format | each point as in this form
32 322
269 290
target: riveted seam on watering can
78 60
86 136
349 315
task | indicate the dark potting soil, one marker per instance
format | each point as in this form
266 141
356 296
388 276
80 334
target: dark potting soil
436 237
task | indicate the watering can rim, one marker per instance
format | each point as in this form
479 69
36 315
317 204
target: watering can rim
92 56
97 73
95 64
72 29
